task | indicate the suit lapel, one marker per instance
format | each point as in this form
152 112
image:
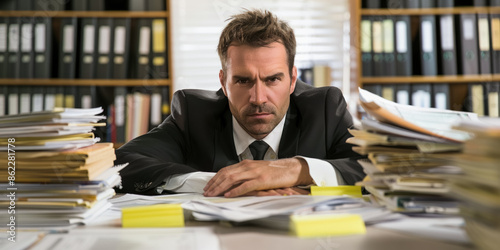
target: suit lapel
291 133
225 151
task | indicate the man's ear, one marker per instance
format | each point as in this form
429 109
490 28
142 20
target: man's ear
222 81
293 79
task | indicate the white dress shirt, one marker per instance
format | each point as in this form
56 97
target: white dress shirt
322 172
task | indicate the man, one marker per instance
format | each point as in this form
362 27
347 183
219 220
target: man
207 144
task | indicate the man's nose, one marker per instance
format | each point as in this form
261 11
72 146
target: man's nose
258 95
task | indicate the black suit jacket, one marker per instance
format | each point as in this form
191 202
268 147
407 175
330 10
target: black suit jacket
198 136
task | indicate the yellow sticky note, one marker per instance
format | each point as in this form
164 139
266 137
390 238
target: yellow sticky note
354 191
162 215
327 225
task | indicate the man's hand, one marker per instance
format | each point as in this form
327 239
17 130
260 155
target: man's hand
249 175
279 192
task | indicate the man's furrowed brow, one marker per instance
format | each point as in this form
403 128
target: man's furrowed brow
278 75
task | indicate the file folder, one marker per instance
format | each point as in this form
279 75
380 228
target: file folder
13 48
43 47
428 45
448 51
103 70
121 48
484 56
388 46
4 55
366 46
403 40
468 44
87 60
26 48
159 49
37 98
67 52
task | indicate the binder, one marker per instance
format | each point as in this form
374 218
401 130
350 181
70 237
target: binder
3 100
495 42
165 102
403 94
86 97
388 46
445 3
141 49
24 5
481 3
137 5
49 101
120 105
468 44
493 90
103 70
483 31
411 4
155 108
421 95
428 55
26 48
403 40
59 97
43 48
448 51
13 48
96 5
70 94
80 5
322 75
377 46
374 88
67 52
477 100
372 4
441 93
37 99
158 62
156 5
49 5
24 99
87 60
121 48
307 75
427 4
366 46
13 100
8 5
388 92
4 29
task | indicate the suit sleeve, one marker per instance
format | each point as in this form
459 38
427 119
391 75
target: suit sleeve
156 155
340 153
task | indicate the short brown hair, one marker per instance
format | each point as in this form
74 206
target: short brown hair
256 28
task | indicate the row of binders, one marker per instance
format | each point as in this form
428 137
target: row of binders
83 5
403 45
130 111
415 4
86 48
317 76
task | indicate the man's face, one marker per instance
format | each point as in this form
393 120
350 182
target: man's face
258 85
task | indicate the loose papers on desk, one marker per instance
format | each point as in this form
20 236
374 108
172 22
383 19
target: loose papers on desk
478 188
408 149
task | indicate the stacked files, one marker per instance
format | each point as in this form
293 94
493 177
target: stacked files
407 152
62 128
54 174
478 188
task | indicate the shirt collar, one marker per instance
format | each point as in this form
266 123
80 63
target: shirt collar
242 139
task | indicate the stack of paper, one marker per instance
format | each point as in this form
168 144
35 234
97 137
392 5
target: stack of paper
54 173
408 149
479 187
62 128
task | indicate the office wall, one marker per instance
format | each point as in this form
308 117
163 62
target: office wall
321 28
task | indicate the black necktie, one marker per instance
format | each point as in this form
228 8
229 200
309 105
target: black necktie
258 149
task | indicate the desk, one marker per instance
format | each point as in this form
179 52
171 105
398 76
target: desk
250 237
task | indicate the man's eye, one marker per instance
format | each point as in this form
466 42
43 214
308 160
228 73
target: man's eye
274 79
242 81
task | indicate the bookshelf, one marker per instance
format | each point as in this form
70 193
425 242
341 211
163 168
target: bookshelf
155 80
459 83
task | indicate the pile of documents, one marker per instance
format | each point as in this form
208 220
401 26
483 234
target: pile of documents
54 174
408 149
479 187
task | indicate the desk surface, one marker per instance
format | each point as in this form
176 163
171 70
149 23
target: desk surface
253 237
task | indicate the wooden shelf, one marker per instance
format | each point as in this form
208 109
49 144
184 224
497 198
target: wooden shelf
427 79
430 11
132 14
86 82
